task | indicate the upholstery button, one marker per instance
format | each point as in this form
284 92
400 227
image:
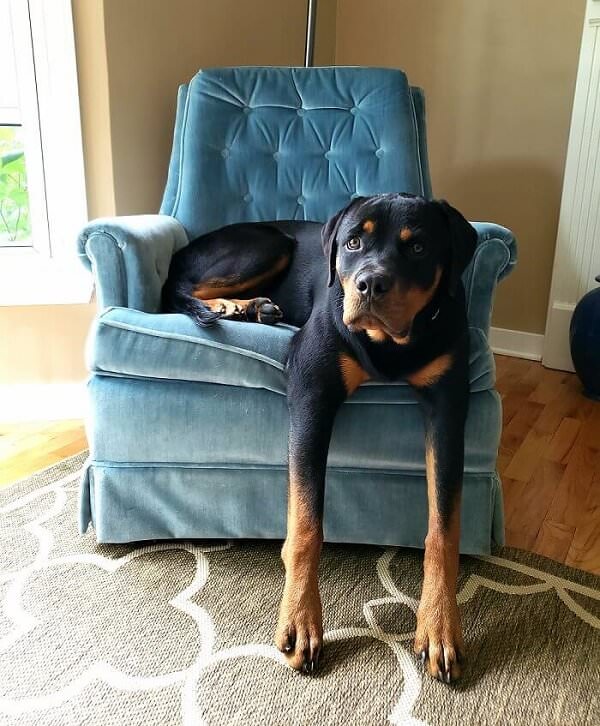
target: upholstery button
300 200
354 110
379 153
276 155
328 154
247 197
300 111
354 195
247 109
225 153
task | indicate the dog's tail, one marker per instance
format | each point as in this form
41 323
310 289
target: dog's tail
177 298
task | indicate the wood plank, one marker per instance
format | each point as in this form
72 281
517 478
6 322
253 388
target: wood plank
549 387
566 405
589 434
528 503
584 551
512 492
554 540
59 442
526 459
568 504
515 432
585 547
511 405
522 539
563 440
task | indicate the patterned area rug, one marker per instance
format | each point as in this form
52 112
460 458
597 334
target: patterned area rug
181 632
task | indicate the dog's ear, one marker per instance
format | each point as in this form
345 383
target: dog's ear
463 239
329 237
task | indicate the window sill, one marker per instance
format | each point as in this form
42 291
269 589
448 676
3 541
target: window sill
28 279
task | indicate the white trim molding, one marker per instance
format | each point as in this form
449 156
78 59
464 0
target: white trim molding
42 402
516 343
577 257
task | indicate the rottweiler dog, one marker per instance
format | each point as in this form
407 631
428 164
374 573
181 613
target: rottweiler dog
388 304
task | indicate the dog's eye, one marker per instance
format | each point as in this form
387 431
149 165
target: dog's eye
417 249
354 243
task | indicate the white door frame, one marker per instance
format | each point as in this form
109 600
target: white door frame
577 256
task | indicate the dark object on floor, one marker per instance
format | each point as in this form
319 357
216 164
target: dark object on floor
585 342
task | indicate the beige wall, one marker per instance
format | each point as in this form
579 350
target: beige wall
499 79
92 72
153 46
43 343
325 33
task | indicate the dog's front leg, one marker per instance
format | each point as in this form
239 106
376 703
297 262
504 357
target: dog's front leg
313 399
438 639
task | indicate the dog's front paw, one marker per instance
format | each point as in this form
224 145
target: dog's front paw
438 640
300 629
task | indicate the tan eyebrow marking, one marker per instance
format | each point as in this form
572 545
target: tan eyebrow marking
368 226
405 234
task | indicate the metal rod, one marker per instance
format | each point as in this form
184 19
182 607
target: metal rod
311 19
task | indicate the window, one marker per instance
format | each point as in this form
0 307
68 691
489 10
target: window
42 189
15 225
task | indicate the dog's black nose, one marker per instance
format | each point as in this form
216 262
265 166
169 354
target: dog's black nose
372 284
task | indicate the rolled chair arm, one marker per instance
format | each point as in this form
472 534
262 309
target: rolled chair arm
494 258
129 258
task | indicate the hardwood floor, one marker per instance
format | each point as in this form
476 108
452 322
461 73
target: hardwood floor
549 460
29 447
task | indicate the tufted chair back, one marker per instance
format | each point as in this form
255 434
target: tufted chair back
255 144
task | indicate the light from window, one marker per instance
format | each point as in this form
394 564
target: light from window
15 228
15 222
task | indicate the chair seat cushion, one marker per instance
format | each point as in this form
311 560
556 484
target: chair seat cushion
129 343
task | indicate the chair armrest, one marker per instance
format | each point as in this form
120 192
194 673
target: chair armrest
129 258
494 258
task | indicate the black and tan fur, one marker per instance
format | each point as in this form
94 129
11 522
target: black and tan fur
387 305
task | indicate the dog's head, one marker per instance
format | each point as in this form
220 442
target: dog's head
391 252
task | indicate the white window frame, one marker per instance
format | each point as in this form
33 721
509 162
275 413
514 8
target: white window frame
48 272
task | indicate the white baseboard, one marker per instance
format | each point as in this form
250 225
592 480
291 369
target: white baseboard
517 343
41 401
557 351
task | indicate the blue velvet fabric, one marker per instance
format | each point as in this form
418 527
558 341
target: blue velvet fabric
134 503
127 342
229 425
130 258
188 427
291 143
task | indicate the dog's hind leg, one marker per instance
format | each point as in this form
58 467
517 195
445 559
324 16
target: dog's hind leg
208 277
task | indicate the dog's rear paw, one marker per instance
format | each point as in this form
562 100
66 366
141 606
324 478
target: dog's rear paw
263 310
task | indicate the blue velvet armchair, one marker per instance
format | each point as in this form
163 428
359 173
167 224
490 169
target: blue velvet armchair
188 427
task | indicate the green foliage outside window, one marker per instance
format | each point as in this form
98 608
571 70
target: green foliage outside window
14 199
